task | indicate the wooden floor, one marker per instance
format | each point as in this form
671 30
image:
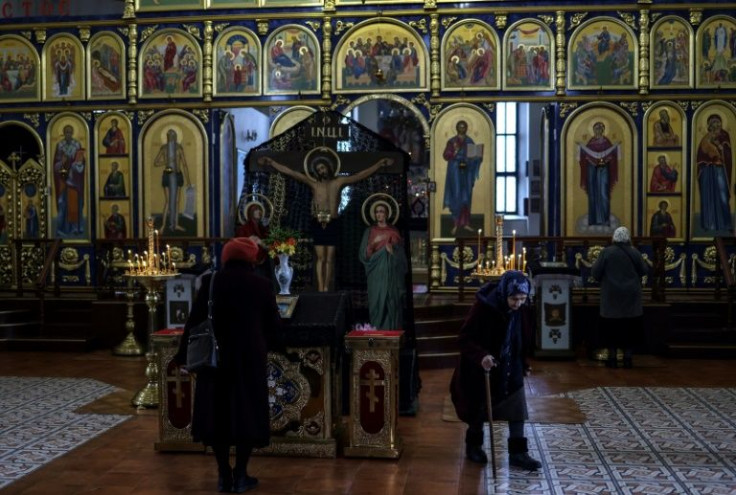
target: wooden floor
123 461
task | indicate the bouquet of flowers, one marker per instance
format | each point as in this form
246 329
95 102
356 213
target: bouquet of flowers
281 240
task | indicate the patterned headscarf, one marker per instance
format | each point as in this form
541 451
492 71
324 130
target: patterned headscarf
621 234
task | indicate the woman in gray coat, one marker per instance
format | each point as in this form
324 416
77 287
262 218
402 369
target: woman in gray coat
619 268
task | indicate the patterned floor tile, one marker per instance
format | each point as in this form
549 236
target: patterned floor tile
39 425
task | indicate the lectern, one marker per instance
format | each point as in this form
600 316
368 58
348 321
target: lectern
374 392
553 284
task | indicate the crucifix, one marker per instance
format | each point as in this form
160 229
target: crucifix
372 382
14 158
178 379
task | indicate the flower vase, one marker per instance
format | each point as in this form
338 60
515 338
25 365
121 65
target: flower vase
284 272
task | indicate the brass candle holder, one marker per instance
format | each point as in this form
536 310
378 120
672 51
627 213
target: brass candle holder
492 270
151 270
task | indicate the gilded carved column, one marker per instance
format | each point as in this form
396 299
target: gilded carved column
560 63
326 58
434 51
207 79
643 52
132 63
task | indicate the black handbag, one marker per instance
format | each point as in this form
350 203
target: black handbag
202 350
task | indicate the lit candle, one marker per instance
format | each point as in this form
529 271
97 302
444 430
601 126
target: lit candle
513 249
168 255
480 231
523 259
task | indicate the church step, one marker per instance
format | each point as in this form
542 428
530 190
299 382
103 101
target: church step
437 344
20 329
438 360
43 344
439 327
697 350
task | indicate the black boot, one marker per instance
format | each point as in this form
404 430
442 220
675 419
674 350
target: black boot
242 482
519 455
225 480
475 453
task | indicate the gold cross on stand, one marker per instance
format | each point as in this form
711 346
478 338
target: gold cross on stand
14 158
178 379
372 382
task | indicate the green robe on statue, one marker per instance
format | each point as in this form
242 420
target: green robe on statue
386 276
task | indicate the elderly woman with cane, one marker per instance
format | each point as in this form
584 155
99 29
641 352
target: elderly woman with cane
491 340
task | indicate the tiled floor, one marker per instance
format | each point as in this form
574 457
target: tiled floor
667 426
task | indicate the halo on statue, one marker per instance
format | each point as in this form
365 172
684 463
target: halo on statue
258 200
321 155
368 209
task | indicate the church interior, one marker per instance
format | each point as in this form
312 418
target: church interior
139 136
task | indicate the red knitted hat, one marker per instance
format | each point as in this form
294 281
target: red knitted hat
240 248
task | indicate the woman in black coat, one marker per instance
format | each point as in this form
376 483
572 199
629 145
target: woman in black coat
491 340
231 401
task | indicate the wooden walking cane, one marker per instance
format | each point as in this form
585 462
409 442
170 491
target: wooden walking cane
490 421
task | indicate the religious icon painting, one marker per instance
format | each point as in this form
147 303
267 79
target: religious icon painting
381 56
21 69
665 126
228 175
671 53
598 160
665 174
63 62
470 57
715 53
237 63
106 66
712 169
173 147
462 147
114 219
289 118
32 207
170 65
113 178
170 5
68 141
602 55
529 56
113 134
665 217
232 4
292 62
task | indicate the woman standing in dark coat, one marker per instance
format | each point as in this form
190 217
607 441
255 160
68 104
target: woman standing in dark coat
231 401
619 268
491 339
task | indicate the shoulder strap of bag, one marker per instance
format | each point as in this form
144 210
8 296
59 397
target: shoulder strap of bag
629 255
210 301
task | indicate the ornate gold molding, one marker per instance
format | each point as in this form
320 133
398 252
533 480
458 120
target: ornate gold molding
143 116
684 105
448 21
430 4
560 63
628 18
313 24
326 57
33 118
329 6
129 9
632 107
220 26
27 34
644 52
566 108
435 83
547 19
84 33
420 25
696 16
575 19
501 19
203 114
148 32
341 26
132 63
208 61
262 26
670 264
194 30
40 35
